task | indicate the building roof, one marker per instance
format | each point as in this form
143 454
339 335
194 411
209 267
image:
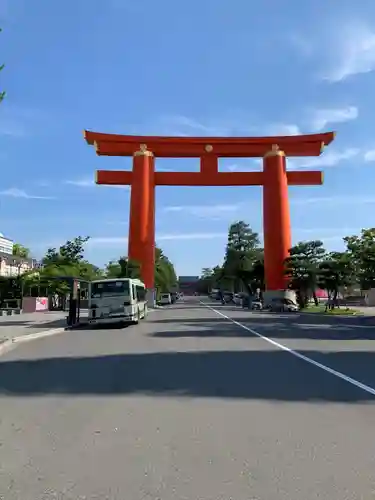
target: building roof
10 259
5 238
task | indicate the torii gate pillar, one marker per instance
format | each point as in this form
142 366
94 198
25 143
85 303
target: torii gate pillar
276 219
141 246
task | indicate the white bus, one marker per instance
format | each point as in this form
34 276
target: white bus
119 300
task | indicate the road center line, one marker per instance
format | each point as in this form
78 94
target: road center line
342 376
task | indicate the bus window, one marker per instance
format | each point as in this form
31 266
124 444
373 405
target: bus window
109 288
141 294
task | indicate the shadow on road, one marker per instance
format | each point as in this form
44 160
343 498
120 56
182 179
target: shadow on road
261 375
290 327
54 323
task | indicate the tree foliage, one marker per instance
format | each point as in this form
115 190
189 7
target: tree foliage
335 272
210 279
165 276
68 261
21 251
123 268
361 250
302 267
241 254
242 268
310 266
65 262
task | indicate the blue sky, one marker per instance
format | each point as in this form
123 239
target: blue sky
194 68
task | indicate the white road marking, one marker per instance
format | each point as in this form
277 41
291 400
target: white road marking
327 369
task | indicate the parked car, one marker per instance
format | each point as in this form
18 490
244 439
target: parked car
241 299
165 299
257 305
237 299
283 305
228 297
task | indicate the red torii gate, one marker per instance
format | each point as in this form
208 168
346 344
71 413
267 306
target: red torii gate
274 178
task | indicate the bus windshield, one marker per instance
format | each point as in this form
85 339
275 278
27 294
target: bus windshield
109 288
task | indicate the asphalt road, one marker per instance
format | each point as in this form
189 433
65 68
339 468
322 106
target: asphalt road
190 406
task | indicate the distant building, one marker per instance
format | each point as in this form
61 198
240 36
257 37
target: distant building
12 265
6 245
188 284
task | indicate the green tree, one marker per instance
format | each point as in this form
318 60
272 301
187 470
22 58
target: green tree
361 250
207 280
206 273
67 261
335 272
112 269
123 268
21 251
302 267
71 253
165 276
241 255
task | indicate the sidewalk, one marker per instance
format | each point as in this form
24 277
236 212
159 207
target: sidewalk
30 323
366 310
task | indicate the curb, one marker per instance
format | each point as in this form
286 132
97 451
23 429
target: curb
7 343
328 315
10 343
5 346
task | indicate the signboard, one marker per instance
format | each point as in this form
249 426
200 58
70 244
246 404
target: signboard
41 304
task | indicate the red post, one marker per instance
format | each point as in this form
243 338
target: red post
141 199
149 248
276 219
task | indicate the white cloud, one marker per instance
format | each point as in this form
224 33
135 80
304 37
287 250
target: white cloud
11 128
20 193
322 230
191 236
117 222
283 129
183 125
334 200
205 211
370 155
354 53
89 182
42 183
233 167
328 159
85 182
233 210
112 241
19 122
249 165
322 117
